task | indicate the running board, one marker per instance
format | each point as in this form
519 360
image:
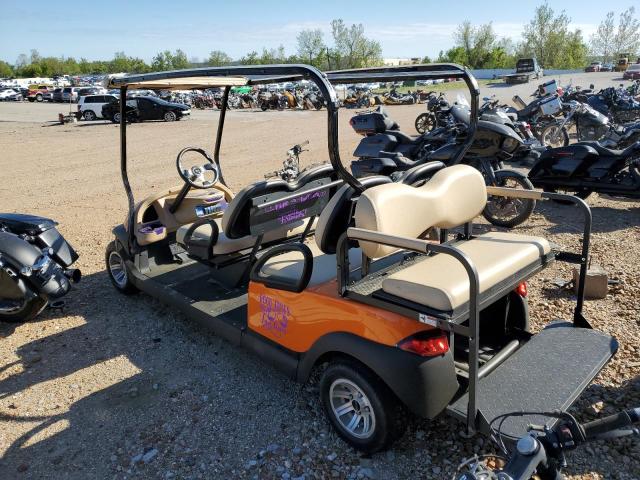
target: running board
547 373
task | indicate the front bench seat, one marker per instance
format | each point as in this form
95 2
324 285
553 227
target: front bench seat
234 230
454 196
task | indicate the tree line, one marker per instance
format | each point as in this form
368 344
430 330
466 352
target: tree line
547 36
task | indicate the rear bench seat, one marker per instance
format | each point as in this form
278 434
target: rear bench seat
453 197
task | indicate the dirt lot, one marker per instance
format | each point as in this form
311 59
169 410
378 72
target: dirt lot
117 387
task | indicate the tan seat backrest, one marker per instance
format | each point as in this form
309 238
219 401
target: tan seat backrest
454 195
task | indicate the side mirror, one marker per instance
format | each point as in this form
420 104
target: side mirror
485 99
592 86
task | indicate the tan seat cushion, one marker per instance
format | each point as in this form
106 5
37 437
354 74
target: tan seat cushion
441 282
325 268
226 245
454 195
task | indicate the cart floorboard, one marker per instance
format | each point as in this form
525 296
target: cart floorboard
189 288
547 373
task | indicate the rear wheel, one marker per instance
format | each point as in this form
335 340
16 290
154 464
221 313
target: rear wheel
21 310
118 271
425 122
89 115
360 406
505 211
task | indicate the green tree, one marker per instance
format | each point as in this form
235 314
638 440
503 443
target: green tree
352 49
477 43
548 38
5 70
602 41
627 38
170 61
218 58
311 46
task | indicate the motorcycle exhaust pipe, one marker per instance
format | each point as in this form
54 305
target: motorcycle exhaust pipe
73 274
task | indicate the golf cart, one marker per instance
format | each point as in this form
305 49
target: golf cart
322 270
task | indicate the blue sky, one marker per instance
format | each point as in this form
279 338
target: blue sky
95 30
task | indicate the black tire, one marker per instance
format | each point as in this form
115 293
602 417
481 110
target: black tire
115 118
388 413
31 99
28 311
264 107
582 193
169 116
425 122
523 206
122 283
562 139
89 115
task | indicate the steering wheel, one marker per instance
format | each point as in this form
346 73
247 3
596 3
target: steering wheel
196 175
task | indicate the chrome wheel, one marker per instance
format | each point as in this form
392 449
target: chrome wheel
12 306
169 117
352 408
116 118
118 270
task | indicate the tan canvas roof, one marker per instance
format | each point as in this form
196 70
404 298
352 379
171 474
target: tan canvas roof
186 83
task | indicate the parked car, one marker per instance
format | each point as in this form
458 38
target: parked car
607 67
147 108
37 92
70 94
632 72
91 91
90 106
526 69
10 94
57 94
594 67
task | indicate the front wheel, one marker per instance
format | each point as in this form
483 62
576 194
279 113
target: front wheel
21 310
170 116
553 136
509 212
39 98
425 122
360 407
118 270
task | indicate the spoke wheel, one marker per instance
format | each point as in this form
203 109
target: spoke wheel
505 211
352 408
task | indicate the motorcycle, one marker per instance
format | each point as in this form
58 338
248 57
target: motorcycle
272 100
35 266
584 168
437 115
616 104
394 98
291 165
385 150
590 125
540 453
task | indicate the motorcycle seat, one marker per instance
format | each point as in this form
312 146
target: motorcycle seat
609 152
403 137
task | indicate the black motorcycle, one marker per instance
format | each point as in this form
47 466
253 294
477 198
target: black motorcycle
618 106
35 262
438 113
584 168
540 452
590 125
385 150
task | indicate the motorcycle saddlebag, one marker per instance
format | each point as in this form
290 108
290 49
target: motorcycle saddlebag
372 122
373 145
373 166
561 162
30 224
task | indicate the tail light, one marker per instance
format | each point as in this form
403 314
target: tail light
522 290
426 346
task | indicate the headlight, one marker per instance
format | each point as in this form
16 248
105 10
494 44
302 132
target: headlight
510 145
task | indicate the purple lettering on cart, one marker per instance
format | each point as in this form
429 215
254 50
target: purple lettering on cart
275 315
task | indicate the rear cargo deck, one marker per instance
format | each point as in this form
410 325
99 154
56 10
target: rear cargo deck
547 373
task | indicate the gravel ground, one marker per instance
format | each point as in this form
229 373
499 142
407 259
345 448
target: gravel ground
116 387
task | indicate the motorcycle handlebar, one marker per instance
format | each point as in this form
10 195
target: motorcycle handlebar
592 430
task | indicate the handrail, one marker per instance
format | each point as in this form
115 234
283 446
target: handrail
578 318
297 193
